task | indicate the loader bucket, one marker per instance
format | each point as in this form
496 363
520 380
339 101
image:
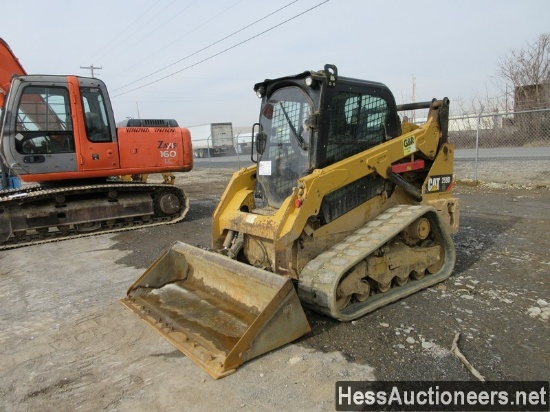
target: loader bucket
217 311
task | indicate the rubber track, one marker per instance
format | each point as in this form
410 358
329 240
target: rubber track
320 277
38 192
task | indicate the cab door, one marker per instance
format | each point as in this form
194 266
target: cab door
39 137
97 145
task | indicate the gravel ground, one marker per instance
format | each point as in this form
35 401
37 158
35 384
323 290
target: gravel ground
521 173
69 345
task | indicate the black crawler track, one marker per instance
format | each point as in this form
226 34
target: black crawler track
36 214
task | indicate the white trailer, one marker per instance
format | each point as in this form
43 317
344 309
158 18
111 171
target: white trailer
212 139
243 143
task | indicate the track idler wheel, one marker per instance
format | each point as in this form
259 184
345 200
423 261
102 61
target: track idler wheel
64 229
170 202
417 232
42 232
383 287
418 274
401 281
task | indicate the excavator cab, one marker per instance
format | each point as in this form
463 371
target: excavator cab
63 128
58 124
60 131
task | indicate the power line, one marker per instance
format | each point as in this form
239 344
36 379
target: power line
113 42
204 48
221 52
183 36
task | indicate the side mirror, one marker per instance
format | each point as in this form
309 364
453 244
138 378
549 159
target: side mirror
258 141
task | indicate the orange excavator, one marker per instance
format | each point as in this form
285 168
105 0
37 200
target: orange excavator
60 132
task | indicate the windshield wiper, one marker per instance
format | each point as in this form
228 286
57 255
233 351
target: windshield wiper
301 142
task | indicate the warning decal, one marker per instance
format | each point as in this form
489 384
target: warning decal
409 145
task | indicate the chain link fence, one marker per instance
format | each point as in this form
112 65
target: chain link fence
502 147
506 148
236 155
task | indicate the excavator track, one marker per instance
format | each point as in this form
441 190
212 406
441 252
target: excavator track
37 214
336 282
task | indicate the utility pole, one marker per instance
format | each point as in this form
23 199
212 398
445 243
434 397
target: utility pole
91 67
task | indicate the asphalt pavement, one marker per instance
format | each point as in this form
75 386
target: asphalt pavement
505 153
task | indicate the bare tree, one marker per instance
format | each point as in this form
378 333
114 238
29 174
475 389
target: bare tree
527 71
479 104
524 75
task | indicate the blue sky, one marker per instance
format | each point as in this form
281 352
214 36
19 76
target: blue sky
202 60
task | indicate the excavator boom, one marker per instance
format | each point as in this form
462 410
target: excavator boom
10 67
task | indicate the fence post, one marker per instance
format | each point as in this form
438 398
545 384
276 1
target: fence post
477 142
237 148
208 151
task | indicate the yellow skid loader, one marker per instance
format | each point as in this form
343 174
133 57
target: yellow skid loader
347 209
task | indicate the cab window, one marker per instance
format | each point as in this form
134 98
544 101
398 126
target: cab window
285 157
43 123
357 123
95 115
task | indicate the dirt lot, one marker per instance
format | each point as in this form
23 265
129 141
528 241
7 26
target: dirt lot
69 345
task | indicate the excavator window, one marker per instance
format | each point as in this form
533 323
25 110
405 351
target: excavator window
95 118
44 121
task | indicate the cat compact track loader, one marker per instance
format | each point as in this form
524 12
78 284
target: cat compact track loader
59 131
346 210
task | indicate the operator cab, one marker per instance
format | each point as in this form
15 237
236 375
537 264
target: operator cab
58 124
315 119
